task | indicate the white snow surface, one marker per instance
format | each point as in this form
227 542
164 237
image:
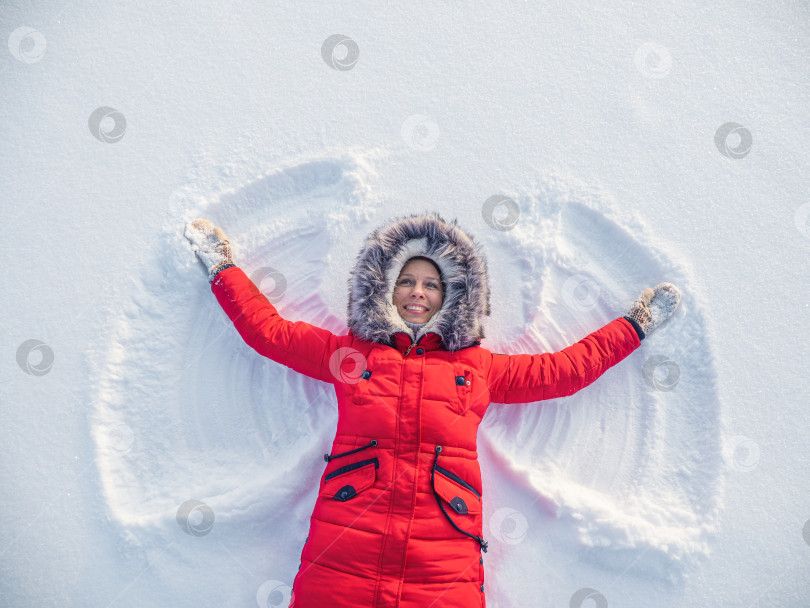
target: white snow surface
157 460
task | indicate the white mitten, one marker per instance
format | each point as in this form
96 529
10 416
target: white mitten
654 306
210 245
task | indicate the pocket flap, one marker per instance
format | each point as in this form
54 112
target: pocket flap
457 493
348 481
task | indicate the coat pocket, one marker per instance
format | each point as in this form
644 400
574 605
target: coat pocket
348 481
363 391
460 495
463 382
471 391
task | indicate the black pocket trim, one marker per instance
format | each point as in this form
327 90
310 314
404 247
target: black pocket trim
457 479
352 467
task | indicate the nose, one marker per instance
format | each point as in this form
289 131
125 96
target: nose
417 290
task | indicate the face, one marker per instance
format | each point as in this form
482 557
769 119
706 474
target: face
418 294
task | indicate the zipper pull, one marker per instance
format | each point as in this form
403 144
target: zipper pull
409 349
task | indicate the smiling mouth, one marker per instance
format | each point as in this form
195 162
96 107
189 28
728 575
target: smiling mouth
417 311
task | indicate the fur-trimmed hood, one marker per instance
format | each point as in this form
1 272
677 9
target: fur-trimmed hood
459 322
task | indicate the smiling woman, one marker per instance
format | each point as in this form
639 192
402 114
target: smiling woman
398 521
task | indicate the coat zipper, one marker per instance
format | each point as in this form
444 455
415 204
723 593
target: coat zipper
328 457
476 343
480 540
413 344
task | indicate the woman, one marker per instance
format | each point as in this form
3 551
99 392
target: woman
398 518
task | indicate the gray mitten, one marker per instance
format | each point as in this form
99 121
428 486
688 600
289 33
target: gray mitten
653 307
210 245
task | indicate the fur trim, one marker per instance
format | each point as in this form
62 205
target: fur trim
459 322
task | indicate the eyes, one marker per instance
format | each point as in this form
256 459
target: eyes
430 284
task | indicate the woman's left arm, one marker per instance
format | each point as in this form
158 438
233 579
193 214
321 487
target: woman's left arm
529 378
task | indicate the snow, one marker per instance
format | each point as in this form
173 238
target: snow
158 460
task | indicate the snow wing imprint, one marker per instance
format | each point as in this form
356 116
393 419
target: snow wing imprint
183 409
632 465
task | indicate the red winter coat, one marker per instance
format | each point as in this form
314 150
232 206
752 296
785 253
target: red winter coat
398 520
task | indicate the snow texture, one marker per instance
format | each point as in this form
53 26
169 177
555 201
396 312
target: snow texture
152 458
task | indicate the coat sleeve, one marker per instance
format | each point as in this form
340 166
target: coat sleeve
528 378
300 346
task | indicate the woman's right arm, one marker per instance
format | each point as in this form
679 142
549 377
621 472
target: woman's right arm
300 346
